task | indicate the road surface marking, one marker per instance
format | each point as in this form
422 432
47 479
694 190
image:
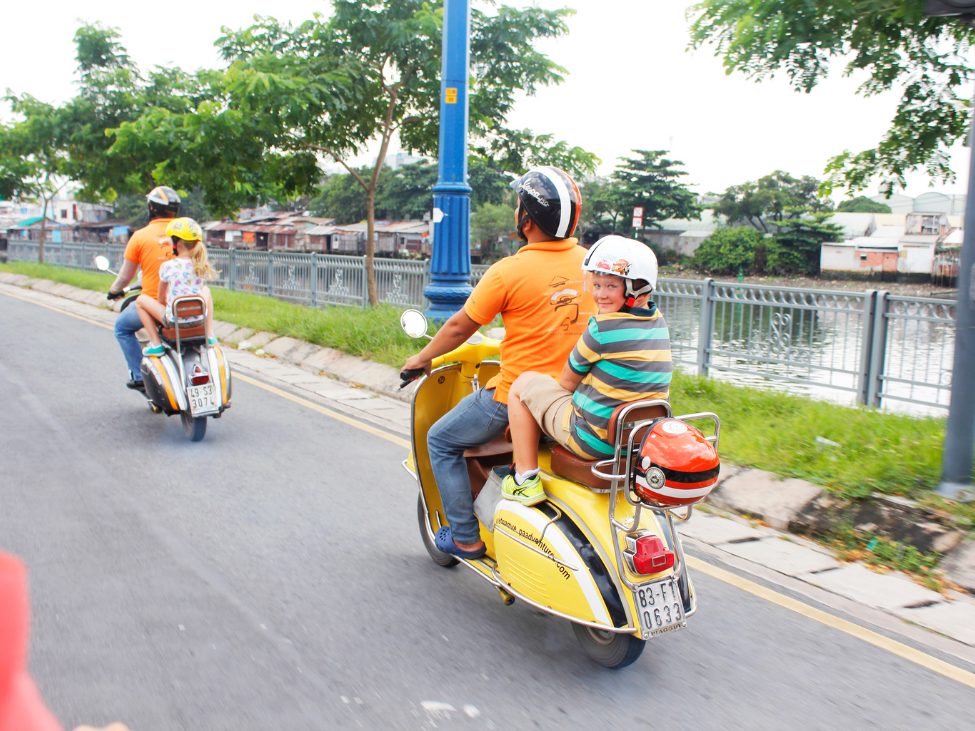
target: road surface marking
58 309
874 638
793 605
322 410
277 391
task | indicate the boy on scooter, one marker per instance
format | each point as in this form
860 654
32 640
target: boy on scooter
623 356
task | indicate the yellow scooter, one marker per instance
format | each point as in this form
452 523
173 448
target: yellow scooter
612 566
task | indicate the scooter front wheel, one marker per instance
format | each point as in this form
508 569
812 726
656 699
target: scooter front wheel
439 557
609 649
195 428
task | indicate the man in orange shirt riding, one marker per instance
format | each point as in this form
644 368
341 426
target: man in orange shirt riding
539 294
148 248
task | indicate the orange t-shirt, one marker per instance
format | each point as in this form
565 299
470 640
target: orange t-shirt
540 296
149 247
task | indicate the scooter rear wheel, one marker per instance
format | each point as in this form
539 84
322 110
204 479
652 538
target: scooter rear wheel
609 649
195 429
439 557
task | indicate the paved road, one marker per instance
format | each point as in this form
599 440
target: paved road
272 577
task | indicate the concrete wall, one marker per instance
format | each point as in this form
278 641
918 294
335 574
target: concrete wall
915 259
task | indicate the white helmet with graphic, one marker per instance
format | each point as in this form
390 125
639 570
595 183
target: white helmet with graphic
626 258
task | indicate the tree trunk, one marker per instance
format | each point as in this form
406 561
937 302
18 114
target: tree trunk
371 246
40 249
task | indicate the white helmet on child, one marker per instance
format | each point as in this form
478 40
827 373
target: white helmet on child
626 258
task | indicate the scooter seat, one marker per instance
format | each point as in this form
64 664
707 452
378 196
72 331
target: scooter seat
192 311
196 328
578 469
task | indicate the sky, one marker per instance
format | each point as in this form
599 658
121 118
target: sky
632 84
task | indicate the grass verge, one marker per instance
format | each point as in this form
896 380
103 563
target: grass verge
877 552
85 280
877 452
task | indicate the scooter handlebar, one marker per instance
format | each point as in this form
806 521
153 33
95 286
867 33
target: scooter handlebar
410 375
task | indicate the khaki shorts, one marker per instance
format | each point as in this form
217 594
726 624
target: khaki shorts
551 405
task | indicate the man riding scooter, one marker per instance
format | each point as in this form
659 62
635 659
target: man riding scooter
148 248
540 295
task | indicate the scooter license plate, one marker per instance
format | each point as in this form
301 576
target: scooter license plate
661 608
202 400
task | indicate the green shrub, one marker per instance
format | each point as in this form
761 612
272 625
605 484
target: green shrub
727 249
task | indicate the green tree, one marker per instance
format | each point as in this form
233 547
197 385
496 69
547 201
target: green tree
340 197
602 207
862 204
891 41
770 200
795 248
491 226
371 72
406 193
33 158
651 182
727 249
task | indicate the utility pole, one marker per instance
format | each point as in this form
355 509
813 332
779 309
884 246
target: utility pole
450 263
956 468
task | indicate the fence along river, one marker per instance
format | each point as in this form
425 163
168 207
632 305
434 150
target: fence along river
850 347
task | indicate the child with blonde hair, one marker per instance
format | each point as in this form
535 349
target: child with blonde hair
187 274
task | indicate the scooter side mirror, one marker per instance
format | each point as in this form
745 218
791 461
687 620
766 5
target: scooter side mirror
101 263
414 323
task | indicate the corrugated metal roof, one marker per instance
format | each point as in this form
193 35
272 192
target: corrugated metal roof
252 227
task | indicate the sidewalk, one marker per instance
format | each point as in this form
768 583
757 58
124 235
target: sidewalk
369 392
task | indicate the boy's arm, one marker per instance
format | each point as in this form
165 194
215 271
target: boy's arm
583 357
570 380
161 295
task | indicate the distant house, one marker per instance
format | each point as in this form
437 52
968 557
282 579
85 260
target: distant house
392 238
892 252
681 235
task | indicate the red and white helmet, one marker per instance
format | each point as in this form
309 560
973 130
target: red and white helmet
676 465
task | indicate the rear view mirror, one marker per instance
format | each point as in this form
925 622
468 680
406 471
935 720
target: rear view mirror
414 323
101 263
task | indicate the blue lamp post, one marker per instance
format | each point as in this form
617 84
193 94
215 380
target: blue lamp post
450 264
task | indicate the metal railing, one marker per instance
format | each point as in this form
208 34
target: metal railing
867 347
872 346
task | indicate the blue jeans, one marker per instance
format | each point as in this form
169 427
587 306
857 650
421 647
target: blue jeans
126 326
475 420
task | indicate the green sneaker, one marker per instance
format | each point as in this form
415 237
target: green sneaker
155 350
529 492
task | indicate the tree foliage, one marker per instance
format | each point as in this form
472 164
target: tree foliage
371 72
32 158
891 41
862 204
652 182
491 227
771 200
795 247
727 249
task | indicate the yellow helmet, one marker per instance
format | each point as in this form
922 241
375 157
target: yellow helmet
185 228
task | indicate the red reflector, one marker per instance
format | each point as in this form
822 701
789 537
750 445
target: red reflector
652 556
199 377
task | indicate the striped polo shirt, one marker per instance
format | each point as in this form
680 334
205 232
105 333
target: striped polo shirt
624 357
